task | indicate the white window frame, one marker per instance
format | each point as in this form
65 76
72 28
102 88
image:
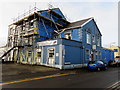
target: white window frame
88 38
94 39
98 41
48 54
68 34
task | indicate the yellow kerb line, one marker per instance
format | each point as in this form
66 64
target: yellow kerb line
30 79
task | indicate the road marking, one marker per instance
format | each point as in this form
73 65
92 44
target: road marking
30 79
113 85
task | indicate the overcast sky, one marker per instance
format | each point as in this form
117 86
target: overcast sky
104 12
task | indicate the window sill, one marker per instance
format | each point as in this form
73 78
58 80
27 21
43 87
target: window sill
88 44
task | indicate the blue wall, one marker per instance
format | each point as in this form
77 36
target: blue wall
46 28
73 55
79 34
72 52
57 19
107 55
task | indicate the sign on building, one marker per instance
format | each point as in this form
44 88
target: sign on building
94 47
46 43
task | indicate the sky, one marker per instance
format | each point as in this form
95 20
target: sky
105 13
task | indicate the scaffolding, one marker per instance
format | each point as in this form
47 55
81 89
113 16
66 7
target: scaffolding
27 32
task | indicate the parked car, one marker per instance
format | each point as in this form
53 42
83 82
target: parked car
117 63
96 65
111 63
117 58
114 63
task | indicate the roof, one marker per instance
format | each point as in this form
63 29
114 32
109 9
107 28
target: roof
78 23
52 10
32 15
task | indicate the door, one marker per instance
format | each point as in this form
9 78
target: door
51 56
38 61
92 57
29 57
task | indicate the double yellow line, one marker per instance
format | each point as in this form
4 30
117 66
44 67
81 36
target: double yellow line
30 79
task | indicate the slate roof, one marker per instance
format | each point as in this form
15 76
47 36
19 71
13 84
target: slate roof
77 23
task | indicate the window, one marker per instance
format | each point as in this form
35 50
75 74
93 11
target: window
23 28
68 35
88 38
29 53
20 28
87 52
27 26
93 39
96 52
30 41
80 34
98 41
51 53
31 24
39 54
99 53
35 24
26 41
17 29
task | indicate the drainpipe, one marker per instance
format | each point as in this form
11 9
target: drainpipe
83 49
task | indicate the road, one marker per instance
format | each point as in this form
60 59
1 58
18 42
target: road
72 79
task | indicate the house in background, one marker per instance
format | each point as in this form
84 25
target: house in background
116 50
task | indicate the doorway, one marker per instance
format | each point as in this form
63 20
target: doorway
29 57
92 57
51 56
38 61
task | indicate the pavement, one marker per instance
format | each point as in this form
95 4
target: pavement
14 71
27 76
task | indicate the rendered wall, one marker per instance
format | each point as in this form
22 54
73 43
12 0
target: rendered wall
107 55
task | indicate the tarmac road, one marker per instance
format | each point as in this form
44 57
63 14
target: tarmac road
67 79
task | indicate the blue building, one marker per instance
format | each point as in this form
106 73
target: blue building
107 55
46 38
79 43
